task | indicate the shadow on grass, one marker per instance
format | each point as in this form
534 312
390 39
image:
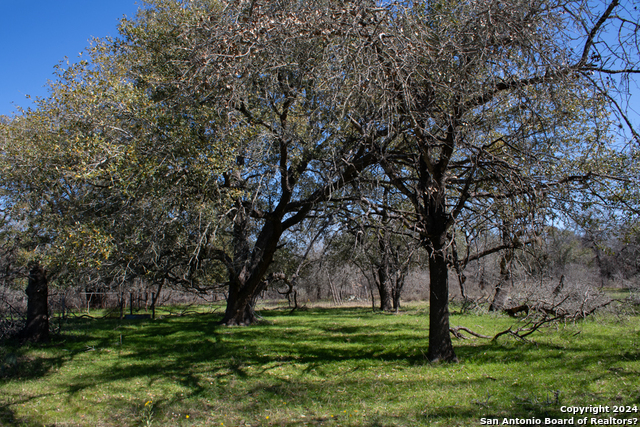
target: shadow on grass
211 361
7 417
17 364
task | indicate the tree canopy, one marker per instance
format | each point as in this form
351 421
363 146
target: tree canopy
186 149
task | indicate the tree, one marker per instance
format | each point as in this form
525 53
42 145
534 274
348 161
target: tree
99 179
256 113
374 238
270 70
494 101
216 126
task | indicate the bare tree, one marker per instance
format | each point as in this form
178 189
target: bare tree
494 101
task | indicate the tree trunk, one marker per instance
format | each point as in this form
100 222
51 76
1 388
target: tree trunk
37 327
384 279
384 288
249 270
333 290
373 298
440 346
504 283
398 279
242 301
154 299
500 297
396 297
240 307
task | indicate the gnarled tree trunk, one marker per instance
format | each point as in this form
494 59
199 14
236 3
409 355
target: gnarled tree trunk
386 297
37 327
396 296
241 304
436 220
248 270
240 310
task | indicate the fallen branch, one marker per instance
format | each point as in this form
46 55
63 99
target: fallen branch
531 327
456 332
536 317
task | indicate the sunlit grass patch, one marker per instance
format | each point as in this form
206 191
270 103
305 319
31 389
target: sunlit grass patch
343 366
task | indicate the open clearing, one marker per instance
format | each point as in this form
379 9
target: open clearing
340 366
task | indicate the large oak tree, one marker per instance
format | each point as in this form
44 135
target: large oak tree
213 127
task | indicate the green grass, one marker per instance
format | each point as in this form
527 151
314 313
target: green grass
333 367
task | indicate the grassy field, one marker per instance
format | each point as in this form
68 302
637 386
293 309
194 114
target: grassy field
333 367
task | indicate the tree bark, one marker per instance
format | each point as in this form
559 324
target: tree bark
154 299
37 327
440 345
504 283
396 297
240 307
249 270
384 287
384 278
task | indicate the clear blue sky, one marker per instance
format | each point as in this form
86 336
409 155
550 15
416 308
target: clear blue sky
35 35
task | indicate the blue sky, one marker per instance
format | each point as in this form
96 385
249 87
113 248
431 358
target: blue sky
35 35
